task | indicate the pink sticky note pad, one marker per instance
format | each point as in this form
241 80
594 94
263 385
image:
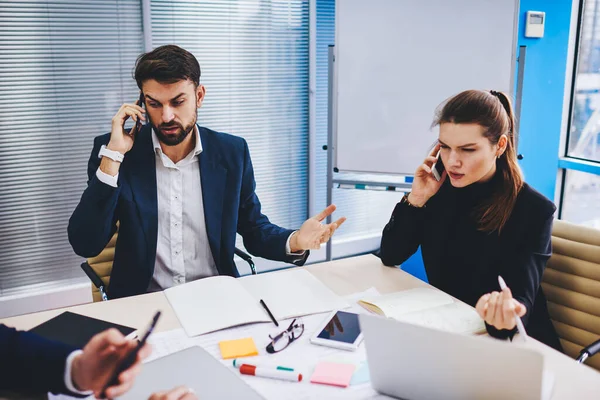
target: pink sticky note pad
335 374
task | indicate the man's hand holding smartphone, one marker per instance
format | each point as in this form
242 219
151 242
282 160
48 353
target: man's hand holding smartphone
425 184
120 140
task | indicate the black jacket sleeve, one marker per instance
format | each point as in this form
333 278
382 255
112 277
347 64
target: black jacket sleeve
94 220
523 270
33 363
402 235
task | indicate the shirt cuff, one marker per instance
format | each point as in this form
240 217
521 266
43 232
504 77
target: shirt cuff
69 379
106 178
288 250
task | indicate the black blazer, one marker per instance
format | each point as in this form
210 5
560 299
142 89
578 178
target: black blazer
31 363
466 263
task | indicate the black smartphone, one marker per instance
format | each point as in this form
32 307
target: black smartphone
138 123
130 359
438 167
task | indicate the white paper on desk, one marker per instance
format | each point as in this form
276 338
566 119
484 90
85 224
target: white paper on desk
210 304
215 303
293 293
165 343
427 307
396 304
301 355
455 317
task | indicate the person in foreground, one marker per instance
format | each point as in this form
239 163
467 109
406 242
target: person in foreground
480 220
179 191
35 364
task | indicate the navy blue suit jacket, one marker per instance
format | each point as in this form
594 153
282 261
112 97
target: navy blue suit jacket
230 206
30 362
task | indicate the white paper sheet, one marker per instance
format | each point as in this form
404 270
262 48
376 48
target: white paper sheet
454 317
210 304
293 293
300 355
216 303
397 304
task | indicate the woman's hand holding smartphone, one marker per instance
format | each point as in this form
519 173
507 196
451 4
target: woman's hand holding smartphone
425 184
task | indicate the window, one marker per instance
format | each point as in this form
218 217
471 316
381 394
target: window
581 163
584 141
581 201
65 69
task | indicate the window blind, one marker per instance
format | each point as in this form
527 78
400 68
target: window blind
65 69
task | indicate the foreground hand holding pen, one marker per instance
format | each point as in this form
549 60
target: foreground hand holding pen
94 366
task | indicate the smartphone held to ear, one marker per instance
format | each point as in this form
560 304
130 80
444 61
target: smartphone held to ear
438 168
138 123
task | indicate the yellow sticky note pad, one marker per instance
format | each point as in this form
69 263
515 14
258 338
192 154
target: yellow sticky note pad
238 348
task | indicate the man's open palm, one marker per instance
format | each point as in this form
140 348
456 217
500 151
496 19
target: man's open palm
314 233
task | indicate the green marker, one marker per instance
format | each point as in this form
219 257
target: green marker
237 362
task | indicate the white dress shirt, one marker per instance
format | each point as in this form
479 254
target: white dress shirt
182 251
68 372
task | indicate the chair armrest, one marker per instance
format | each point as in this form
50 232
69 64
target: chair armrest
246 257
589 351
86 267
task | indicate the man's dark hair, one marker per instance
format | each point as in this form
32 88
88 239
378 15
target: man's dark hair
167 64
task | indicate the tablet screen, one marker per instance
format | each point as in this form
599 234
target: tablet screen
343 327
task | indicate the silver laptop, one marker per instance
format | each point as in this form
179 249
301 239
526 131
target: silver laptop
194 368
414 362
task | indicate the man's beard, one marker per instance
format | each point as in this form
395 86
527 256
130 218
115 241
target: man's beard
176 138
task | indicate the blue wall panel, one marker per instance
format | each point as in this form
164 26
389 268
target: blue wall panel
543 93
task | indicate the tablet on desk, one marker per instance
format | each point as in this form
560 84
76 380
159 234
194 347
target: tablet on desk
195 368
340 330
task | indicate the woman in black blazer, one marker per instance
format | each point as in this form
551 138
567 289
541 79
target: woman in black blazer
480 220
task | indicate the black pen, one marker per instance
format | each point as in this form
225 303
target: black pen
262 303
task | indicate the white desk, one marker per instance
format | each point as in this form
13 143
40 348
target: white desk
573 381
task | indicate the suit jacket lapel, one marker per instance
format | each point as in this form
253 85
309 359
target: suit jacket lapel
213 176
142 177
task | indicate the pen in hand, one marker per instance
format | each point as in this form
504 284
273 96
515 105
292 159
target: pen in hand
520 326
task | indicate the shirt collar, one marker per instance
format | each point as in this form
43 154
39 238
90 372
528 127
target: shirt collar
197 150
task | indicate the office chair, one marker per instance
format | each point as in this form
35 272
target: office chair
99 268
571 283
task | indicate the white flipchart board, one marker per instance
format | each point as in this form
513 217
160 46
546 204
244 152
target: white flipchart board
397 60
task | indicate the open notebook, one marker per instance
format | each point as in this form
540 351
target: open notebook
427 307
220 302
